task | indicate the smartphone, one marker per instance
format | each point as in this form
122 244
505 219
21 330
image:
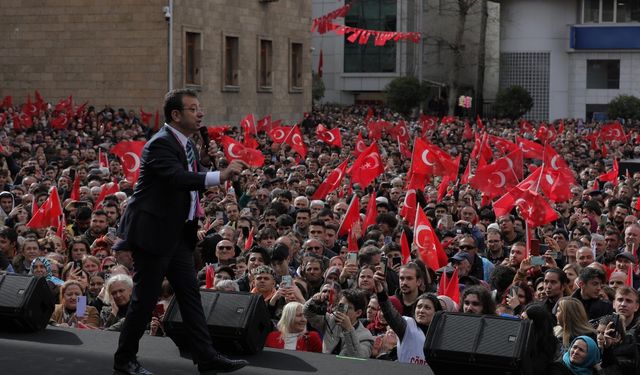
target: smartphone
158 311
543 248
513 291
81 306
77 263
343 308
535 246
396 261
537 260
287 281
220 215
383 264
352 257
615 319
111 234
556 254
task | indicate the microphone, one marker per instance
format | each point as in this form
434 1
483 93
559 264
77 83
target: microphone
205 137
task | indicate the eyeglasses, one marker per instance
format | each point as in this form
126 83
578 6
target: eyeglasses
313 248
225 248
466 247
194 110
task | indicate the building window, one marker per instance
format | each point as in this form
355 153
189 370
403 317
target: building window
597 112
193 59
230 63
603 74
265 63
531 71
295 78
607 11
367 58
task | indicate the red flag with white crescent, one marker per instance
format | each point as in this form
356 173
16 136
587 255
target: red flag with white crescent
331 182
130 154
235 150
429 247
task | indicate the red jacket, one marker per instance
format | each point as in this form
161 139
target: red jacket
309 342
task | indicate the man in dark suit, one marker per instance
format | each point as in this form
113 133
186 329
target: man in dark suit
160 225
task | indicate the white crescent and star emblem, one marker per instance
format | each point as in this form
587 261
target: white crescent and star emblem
136 161
402 131
554 161
376 162
296 139
419 230
406 198
279 134
616 132
335 177
425 158
526 185
329 136
503 179
230 151
360 146
549 178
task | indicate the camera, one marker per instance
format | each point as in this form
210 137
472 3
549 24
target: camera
343 308
167 13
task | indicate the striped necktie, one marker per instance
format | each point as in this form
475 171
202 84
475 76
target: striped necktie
191 156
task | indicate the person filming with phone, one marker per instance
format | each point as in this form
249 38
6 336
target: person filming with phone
342 332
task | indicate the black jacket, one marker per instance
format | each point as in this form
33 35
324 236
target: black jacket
595 308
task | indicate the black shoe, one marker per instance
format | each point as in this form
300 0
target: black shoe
130 368
221 363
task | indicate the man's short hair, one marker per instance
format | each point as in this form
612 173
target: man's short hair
561 275
626 290
10 234
356 297
173 101
589 273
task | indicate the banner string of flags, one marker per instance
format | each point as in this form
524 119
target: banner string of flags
325 24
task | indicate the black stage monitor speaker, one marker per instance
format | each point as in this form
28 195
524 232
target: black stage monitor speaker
457 342
238 322
26 303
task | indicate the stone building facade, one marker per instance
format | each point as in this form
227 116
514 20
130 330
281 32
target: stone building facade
250 56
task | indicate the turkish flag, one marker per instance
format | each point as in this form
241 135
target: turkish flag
561 126
331 137
467 133
129 153
558 164
49 213
248 124
7 102
369 115
235 150
612 175
209 277
278 134
503 145
367 166
430 159
479 123
156 121
408 210
29 108
613 132
481 147
26 120
452 289
64 104
360 146
553 184
427 242
375 129
106 190
530 149
406 249
41 105
496 178
546 133
533 207
351 217
60 122
372 211
400 131
75 190
264 124
249 142
466 175
428 123
103 160
145 117
526 127
294 139
448 120
249 241
216 132
3 118
331 182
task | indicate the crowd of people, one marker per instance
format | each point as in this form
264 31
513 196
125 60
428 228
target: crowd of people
265 234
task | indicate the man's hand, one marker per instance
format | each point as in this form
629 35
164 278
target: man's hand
234 169
343 320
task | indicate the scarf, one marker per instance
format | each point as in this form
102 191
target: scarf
47 265
593 357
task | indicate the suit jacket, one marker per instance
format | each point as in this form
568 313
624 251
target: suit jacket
154 221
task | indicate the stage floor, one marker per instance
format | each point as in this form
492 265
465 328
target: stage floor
88 352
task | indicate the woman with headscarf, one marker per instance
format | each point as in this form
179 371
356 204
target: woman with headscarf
582 358
448 304
41 267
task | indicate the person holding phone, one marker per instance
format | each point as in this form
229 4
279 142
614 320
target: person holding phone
292 331
342 331
64 314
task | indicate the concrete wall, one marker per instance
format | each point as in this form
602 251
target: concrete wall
115 52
